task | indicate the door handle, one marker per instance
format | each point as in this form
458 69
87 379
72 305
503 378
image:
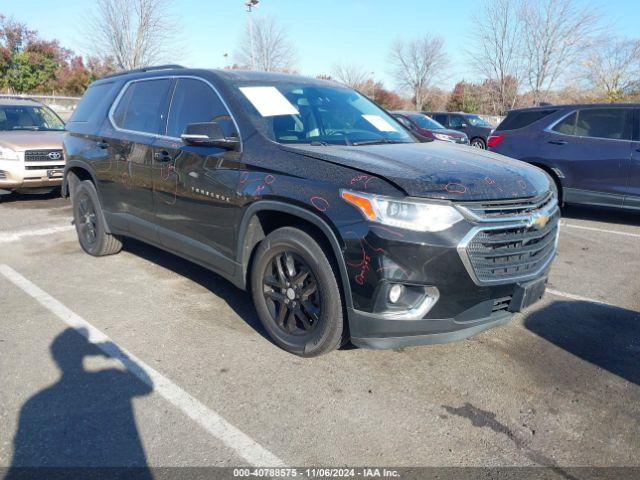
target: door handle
102 145
558 142
162 156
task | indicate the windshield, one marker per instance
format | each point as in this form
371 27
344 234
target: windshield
425 122
316 114
476 121
26 117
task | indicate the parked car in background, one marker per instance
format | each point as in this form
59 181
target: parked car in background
477 129
427 127
317 201
591 151
31 158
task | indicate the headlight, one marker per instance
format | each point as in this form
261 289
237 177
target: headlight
411 215
8 154
442 136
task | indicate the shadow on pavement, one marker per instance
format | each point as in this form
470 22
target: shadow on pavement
606 336
83 420
238 300
601 214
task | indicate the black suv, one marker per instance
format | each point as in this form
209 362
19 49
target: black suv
591 151
477 129
306 193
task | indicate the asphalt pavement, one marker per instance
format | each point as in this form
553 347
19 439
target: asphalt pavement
143 359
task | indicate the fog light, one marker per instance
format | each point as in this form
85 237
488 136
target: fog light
395 292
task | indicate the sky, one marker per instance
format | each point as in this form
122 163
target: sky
325 32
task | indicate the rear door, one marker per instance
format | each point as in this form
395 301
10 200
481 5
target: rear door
632 200
137 116
194 187
591 149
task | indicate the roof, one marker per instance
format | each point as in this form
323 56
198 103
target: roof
406 112
576 105
14 101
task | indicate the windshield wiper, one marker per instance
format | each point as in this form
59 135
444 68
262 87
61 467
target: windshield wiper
318 143
377 141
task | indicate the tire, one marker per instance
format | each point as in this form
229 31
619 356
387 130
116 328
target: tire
301 312
478 143
90 224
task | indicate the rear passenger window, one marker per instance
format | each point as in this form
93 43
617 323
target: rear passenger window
441 119
141 107
521 119
195 102
567 126
612 123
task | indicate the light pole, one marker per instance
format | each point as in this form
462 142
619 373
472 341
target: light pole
250 4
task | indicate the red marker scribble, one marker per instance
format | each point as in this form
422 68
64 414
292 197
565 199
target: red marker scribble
522 184
364 265
319 203
387 230
455 188
244 177
269 179
490 180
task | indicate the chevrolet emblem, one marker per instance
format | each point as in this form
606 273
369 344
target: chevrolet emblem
539 221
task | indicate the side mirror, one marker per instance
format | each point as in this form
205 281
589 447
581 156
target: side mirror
208 135
464 125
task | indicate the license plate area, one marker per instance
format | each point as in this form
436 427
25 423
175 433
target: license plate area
526 294
55 173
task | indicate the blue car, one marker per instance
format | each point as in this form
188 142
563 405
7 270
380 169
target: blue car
592 152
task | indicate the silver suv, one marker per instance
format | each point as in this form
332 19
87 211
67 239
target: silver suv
31 157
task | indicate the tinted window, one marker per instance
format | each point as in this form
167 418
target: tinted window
90 101
613 123
140 108
520 119
567 126
455 121
425 122
441 119
195 102
404 121
476 121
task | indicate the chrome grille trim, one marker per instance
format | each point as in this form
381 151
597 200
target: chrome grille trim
512 248
508 210
42 156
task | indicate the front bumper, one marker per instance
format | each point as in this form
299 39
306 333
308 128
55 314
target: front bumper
16 175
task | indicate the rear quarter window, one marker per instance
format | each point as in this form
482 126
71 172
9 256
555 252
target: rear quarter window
521 119
91 100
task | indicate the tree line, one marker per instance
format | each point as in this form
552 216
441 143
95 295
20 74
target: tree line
521 53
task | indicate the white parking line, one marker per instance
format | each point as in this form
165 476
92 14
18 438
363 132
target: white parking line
577 297
7 237
232 437
593 229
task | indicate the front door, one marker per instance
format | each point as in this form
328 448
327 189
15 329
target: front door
194 187
592 149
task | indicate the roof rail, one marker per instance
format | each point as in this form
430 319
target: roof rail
143 69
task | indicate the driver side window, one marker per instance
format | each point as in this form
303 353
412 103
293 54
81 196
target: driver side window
195 102
456 121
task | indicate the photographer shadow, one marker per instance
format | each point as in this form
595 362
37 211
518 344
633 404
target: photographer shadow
85 421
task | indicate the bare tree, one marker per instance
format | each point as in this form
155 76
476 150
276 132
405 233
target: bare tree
557 32
418 63
270 50
613 67
134 33
352 75
496 42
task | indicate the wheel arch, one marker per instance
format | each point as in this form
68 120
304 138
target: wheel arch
81 171
262 217
556 179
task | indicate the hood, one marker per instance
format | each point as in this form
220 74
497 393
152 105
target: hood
31 140
438 169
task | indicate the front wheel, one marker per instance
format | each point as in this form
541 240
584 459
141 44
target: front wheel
478 143
296 293
89 221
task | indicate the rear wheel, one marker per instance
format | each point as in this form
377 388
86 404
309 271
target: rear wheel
296 293
478 143
89 221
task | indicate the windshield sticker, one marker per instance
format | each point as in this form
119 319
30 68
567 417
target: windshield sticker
269 101
380 123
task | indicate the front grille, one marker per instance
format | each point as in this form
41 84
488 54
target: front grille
503 252
509 208
42 156
42 167
3 176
